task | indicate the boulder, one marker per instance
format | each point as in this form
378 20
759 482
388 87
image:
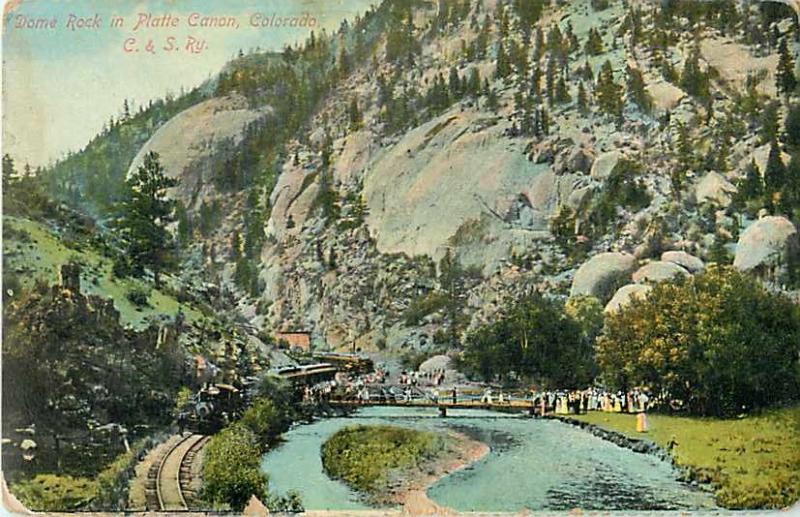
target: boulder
437 362
625 295
604 165
688 262
580 160
765 242
714 188
658 272
601 275
579 198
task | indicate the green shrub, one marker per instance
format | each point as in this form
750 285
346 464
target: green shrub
423 306
231 470
364 456
50 492
139 296
112 482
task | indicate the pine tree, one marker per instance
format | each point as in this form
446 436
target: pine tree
786 81
751 186
775 173
583 101
693 79
686 161
474 82
354 115
550 79
792 127
636 89
562 92
144 217
9 172
502 68
608 93
594 43
769 123
454 84
791 191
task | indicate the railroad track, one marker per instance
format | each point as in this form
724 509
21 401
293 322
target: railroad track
169 477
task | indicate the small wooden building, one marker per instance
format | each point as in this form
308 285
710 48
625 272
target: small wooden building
300 340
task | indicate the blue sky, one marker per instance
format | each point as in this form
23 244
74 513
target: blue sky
60 86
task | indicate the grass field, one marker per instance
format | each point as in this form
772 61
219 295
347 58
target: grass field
753 462
40 255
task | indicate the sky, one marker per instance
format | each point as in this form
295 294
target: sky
62 84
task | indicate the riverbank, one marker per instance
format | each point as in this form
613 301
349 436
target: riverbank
394 466
413 497
751 462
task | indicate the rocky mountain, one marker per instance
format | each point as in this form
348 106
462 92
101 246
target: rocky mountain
586 147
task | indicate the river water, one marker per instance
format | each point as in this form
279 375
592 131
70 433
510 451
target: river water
533 464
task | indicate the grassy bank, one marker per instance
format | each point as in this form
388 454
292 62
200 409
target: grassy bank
753 462
370 458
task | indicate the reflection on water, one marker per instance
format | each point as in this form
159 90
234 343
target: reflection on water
534 464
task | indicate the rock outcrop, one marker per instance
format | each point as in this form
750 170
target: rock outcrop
688 262
602 274
765 243
604 165
190 143
714 188
658 271
625 295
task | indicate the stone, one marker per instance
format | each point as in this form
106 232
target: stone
437 362
625 295
579 198
714 188
604 165
689 262
765 243
658 271
600 275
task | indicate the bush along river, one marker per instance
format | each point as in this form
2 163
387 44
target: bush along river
532 464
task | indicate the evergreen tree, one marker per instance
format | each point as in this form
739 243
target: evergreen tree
502 68
775 173
454 83
594 43
608 93
751 186
792 127
144 217
354 115
791 190
550 79
474 82
583 101
769 123
693 79
562 92
636 89
686 161
786 81
9 172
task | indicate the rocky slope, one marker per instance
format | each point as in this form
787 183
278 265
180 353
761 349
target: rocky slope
466 177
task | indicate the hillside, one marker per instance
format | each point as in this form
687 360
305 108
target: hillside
324 185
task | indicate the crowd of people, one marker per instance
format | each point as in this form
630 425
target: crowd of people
433 377
428 385
593 399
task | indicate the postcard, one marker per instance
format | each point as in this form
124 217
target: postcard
401 257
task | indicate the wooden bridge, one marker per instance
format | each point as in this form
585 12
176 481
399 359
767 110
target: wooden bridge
443 404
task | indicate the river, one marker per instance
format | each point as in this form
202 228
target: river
534 464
